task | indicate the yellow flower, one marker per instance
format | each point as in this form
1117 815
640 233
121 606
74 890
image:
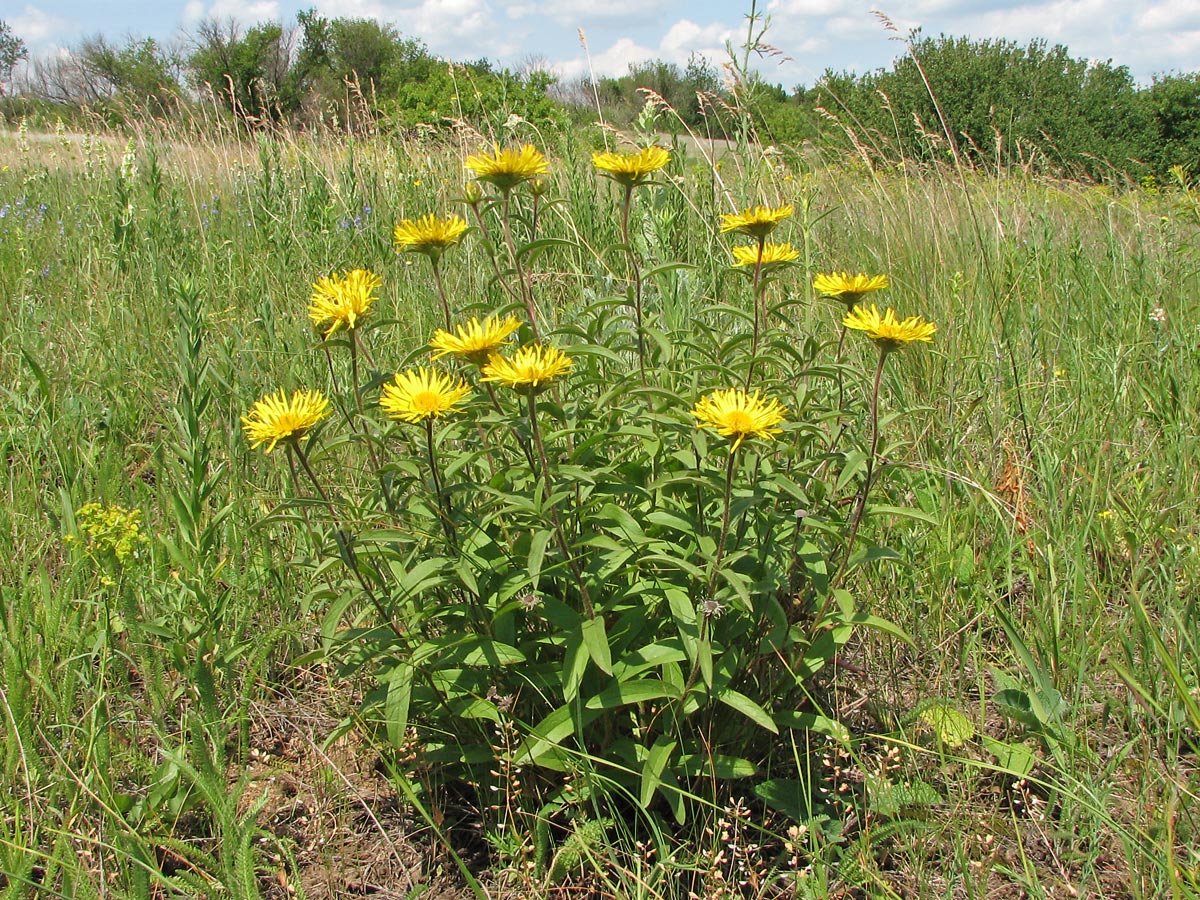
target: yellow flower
530 370
738 415
341 300
757 222
276 417
772 255
886 330
420 394
507 168
631 169
428 234
848 288
475 342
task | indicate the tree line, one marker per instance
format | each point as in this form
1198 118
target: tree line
992 103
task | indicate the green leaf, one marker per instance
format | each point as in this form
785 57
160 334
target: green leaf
656 762
789 796
544 244
575 658
810 721
537 554
902 512
638 691
951 727
399 696
1015 759
747 707
595 638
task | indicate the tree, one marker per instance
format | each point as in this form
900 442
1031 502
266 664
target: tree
1001 103
251 72
12 51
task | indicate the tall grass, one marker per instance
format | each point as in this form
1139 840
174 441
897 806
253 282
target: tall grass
1049 580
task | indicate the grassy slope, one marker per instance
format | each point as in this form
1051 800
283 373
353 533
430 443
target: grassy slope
1050 432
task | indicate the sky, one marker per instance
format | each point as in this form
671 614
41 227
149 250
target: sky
1151 37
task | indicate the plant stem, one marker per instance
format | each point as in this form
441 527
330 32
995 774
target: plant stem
442 501
636 274
547 493
437 278
340 536
526 290
759 317
712 578
860 505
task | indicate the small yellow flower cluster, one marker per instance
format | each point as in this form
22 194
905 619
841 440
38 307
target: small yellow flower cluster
109 531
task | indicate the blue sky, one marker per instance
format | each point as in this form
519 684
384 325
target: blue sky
1155 36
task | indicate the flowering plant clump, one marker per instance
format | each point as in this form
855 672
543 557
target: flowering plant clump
577 547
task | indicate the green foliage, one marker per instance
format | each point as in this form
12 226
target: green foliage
997 103
12 51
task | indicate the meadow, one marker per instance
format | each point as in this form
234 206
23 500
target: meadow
927 628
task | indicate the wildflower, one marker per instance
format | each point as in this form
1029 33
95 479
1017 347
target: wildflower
530 370
1158 315
421 394
1105 514
888 332
276 417
110 531
341 300
848 288
631 169
507 168
738 415
428 234
475 342
772 255
757 222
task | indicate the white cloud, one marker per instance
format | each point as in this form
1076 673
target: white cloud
678 44
576 13
36 27
1173 15
245 13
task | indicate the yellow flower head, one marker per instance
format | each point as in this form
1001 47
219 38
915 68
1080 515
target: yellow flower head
772 255
848 288
475 342
507 168
276 417
530 370
888 332
738 415
339 301
631 169
757 222
417 395
428 234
